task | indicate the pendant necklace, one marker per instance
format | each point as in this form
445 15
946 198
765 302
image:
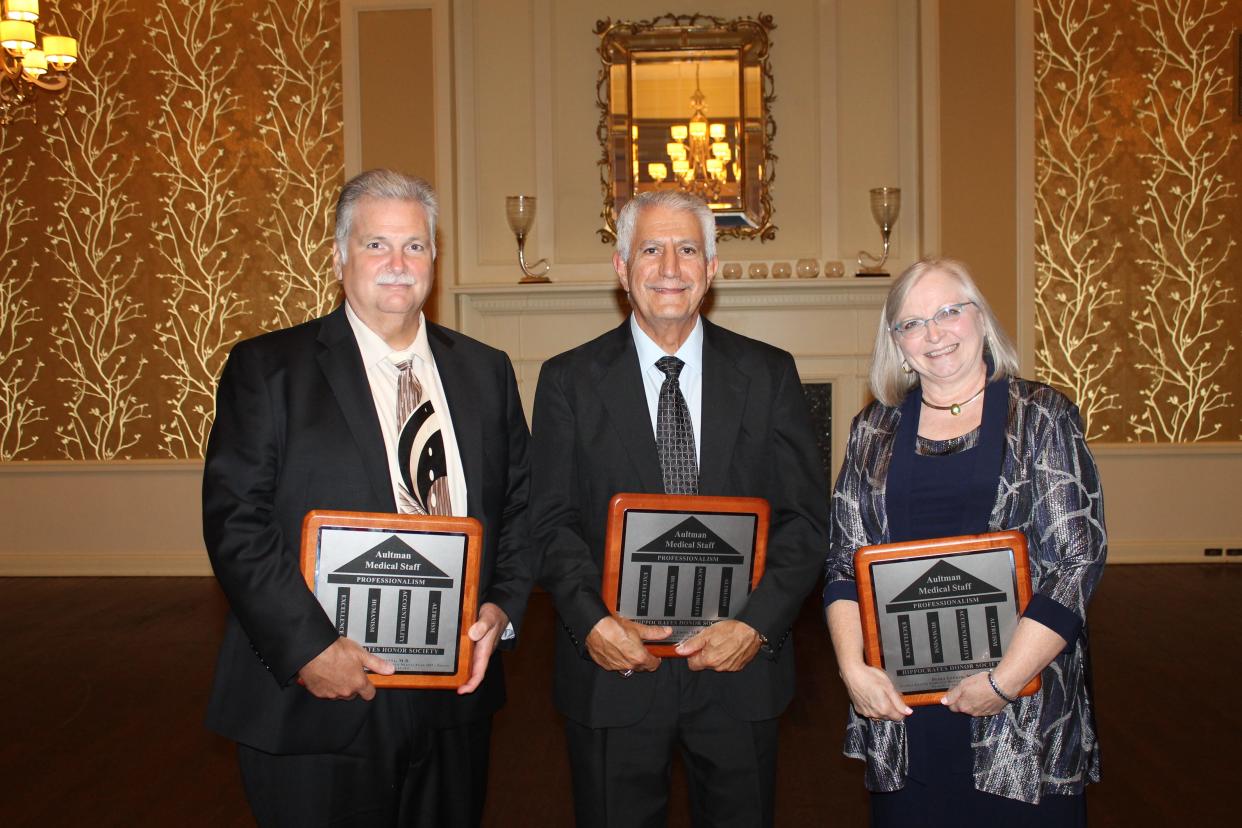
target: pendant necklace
956 408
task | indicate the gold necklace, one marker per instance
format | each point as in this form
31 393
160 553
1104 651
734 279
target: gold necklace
956 408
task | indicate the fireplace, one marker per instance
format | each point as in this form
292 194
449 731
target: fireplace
827 324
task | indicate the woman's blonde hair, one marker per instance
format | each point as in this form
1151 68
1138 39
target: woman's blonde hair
889 383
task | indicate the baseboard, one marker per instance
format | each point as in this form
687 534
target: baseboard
1173 552
81 564
195 563
1163 505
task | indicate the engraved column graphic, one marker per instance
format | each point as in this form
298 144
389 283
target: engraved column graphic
685 570
399 602
936 618
690 542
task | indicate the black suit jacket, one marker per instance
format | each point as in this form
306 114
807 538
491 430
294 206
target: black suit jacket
296 429
593 438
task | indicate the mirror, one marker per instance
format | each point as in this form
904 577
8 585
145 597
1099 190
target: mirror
685 103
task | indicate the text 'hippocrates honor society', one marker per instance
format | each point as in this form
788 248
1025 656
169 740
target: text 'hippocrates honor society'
399 594
685 571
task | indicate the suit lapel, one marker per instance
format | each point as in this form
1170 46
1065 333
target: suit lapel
342 365
620 384
723 401
463 407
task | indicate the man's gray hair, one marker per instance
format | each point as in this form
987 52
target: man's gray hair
889 383
671 200
384 184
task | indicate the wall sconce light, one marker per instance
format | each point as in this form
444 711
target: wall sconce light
520 210
885 205
24 69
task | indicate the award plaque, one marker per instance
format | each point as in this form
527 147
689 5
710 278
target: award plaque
405 587
936 611
682 561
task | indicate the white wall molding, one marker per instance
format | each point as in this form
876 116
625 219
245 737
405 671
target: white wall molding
1182 551
1166 503
1163 503
140 517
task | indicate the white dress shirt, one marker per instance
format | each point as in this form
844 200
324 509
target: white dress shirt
690 380
382 372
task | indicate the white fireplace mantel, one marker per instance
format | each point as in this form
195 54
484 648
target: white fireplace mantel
827 324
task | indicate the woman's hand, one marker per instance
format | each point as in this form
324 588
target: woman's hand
1033 648
873 695
871 690
974 696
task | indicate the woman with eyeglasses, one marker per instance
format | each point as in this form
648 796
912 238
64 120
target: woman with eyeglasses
956 444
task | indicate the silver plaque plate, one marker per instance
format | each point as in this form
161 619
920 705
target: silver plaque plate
397 593
685 570
942 618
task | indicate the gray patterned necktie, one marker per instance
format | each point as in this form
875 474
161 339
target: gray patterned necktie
675 433
420 449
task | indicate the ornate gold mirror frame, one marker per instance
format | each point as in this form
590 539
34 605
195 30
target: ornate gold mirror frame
686 103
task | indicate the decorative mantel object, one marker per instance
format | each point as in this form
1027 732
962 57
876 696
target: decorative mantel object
520 211
885 205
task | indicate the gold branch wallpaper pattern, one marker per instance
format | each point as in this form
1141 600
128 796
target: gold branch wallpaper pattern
90 231
183 202
1073 194
1179 318
1138 215
19 363
180 204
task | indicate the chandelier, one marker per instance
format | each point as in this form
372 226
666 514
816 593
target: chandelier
27 68
701 157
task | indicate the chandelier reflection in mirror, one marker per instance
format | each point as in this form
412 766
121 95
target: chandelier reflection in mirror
700 153
31 61
685 105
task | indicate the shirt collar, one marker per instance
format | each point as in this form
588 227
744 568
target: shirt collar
690 352
376 351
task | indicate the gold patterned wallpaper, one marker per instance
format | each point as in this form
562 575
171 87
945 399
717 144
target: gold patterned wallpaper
181 203
1138 215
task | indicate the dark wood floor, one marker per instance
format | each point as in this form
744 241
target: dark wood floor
105 682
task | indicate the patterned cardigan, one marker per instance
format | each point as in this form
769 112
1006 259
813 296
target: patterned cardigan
1050 489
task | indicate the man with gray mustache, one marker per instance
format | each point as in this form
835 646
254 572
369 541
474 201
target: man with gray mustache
311 417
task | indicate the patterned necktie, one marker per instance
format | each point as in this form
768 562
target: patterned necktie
420 449
675 433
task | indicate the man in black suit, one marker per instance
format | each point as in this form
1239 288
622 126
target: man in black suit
306 418
724 416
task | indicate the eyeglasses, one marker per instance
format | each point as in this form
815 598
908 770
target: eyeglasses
945 317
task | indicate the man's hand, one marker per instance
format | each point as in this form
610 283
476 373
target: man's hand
726 647
617 644
485 633
339 672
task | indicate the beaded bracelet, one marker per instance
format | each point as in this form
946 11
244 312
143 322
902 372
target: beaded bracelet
998 692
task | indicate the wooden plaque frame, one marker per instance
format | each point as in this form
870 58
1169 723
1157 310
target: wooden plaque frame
381 522
626 502
950 547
